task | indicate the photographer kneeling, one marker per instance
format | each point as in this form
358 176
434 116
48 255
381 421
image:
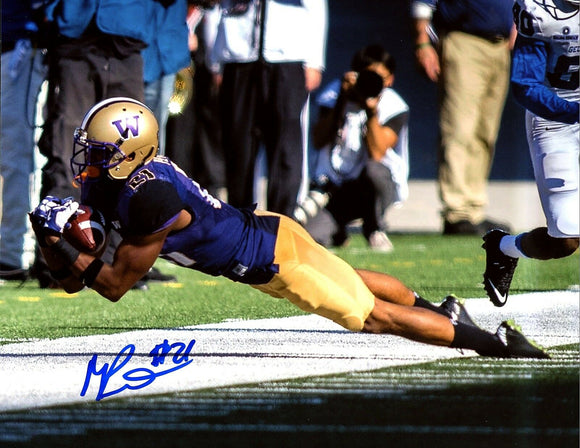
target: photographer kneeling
362 160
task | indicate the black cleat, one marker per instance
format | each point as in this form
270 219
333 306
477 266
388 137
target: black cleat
456 311
516 344
499 268
140 285
155 275
11 273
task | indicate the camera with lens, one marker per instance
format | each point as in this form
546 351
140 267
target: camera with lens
369 84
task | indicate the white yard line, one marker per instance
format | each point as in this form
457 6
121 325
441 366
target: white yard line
53 372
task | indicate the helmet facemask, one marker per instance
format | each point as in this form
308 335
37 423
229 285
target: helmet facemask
91 158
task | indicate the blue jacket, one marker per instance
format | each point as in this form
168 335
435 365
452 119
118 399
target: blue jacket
128 18
168 50
16 21
485 18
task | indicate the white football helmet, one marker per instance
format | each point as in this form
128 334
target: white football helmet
117 135
559 9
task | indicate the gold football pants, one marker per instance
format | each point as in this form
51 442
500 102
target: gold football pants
316 280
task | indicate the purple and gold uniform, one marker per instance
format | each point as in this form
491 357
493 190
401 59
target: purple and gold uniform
268 251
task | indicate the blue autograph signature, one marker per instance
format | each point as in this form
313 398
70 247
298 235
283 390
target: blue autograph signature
140 377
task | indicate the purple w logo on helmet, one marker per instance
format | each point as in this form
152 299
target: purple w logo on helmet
131 126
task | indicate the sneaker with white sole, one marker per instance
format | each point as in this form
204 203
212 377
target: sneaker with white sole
380 242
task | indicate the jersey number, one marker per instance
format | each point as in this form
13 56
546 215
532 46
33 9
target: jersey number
523 20
563 77
143 176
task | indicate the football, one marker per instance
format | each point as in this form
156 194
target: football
85 230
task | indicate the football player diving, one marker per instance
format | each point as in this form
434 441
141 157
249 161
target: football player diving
545 81
160 212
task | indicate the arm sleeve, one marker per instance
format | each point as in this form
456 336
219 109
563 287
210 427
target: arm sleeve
527 81
211 20
397 122
423 10
317 28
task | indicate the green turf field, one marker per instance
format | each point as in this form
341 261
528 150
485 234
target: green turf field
430 264
464 402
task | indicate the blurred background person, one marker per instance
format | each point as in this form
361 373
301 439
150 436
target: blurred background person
363 163
465 48
23 71
194 131
166 54
94 54
271 55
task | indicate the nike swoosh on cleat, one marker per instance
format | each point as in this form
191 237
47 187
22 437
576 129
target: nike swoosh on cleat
502 297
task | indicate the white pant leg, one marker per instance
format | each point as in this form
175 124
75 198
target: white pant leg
554 150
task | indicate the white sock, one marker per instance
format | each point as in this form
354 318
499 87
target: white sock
510 246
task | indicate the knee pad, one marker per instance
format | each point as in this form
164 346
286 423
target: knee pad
558 187
560 171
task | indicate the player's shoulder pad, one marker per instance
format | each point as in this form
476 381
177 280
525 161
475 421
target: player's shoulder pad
151 207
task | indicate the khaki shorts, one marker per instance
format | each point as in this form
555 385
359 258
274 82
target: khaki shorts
316 280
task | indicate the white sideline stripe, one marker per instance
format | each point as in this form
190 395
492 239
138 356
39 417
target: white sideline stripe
52 372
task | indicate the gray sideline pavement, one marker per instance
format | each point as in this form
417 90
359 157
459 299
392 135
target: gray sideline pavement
512 202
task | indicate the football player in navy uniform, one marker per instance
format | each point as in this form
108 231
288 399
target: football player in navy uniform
545 81
159 211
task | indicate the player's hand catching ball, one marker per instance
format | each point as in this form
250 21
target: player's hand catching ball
51 216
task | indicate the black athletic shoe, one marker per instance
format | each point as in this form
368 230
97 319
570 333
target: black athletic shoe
155 275
462 227
140 285
13 273
465 227
487 225
456 311
517 345
499 268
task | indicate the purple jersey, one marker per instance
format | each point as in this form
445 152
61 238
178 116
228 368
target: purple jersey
221 239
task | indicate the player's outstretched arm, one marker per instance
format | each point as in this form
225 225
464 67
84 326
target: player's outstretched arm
58 268
133 259
75 269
